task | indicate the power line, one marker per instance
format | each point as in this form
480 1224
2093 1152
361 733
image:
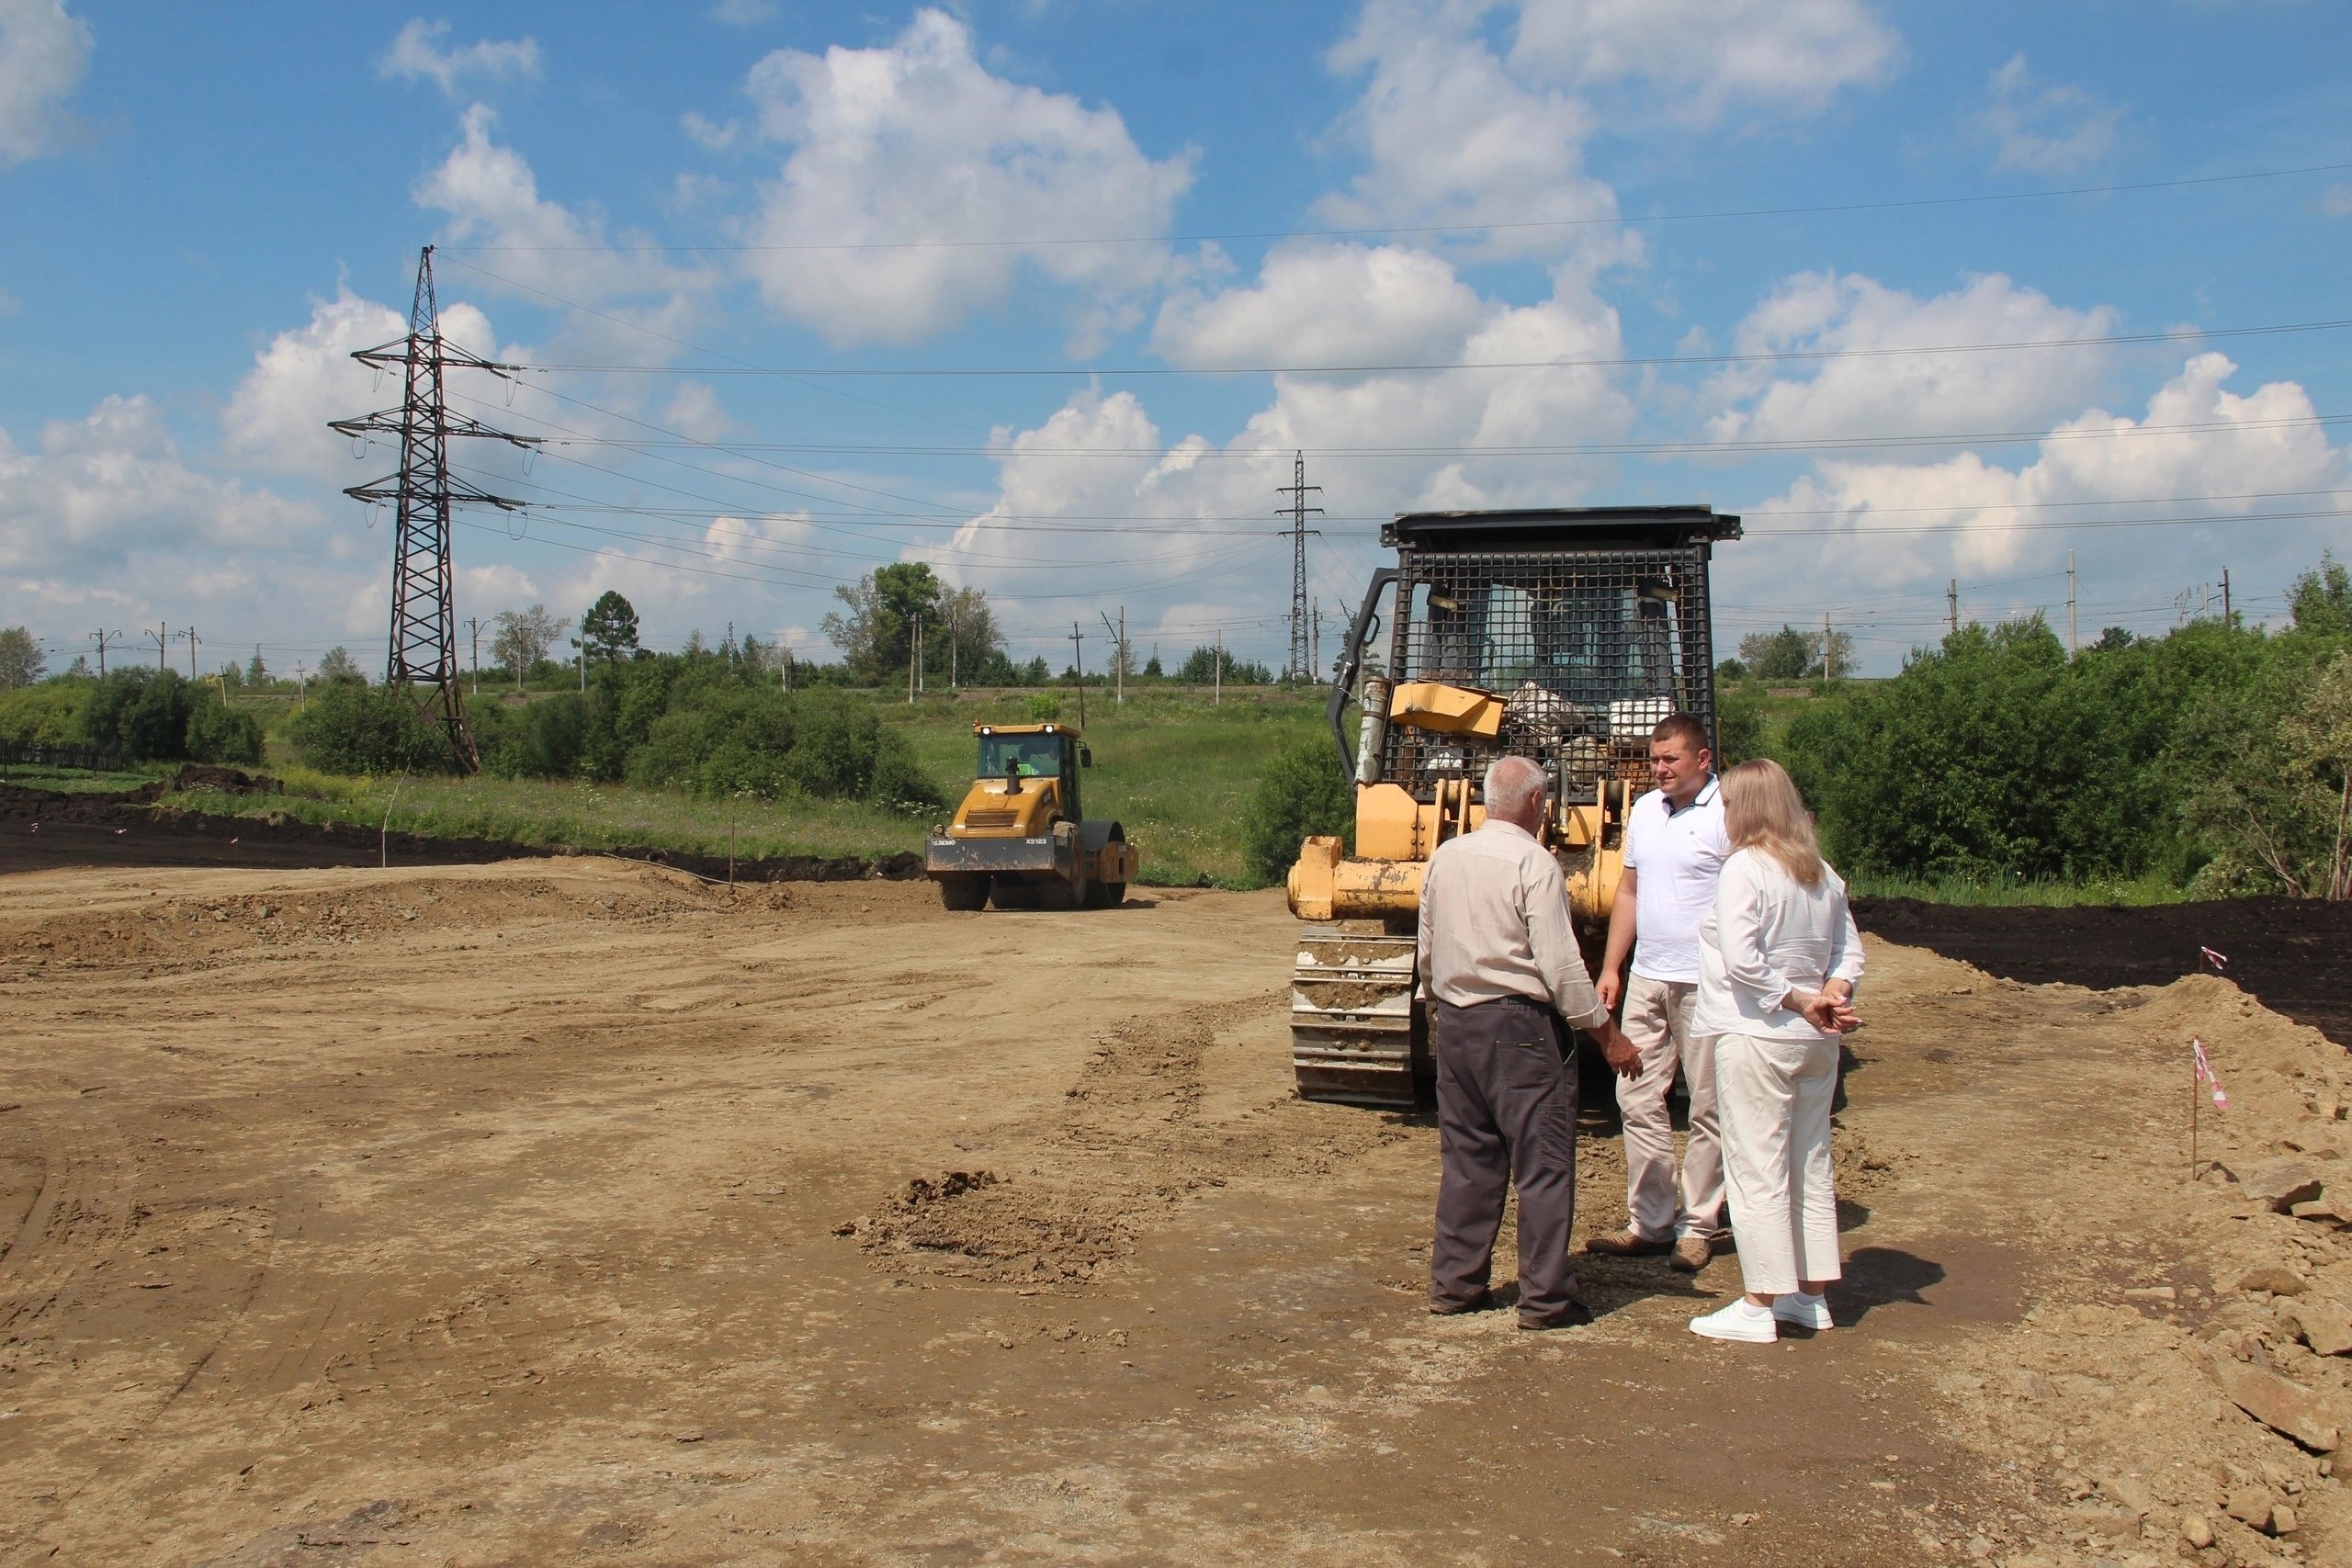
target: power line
1756 356
1613 221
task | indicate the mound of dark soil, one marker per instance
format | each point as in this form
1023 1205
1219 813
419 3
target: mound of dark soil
2290 954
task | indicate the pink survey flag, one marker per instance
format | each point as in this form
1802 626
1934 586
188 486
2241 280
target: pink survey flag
2218 961
2205 1075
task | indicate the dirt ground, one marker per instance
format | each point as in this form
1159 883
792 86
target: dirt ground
573 1212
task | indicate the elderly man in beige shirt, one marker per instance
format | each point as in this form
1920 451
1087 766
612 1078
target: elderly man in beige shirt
1500 965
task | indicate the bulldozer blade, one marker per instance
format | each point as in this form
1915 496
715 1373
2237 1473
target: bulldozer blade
1351 1017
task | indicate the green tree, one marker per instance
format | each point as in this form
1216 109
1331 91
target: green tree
2270 776
523 639
1783 655
2321 598
877 636
21 662
1302 793
256 673
141 714
348 727
609 628
338 666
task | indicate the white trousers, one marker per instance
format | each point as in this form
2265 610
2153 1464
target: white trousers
1775 1096
1657 1021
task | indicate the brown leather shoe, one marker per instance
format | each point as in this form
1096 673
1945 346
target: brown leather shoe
1692 1254
1627 1242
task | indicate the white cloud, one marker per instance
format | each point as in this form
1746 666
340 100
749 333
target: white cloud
1459 133
1870 394
277 417
416 55
43 52
1862 520
916 142
1321 304
2046 130
1706 58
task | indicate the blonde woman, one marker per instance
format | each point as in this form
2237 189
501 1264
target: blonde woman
1778 959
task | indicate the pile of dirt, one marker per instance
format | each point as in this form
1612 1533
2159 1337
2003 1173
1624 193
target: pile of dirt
43 829
2285 952
2186 1397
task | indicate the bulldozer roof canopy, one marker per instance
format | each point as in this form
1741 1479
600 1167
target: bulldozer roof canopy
1591 527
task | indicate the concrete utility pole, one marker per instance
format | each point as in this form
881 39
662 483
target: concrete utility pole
1315 644
302 686
102 639
2227 619
1078 663
787 669
951 649
473 625
1951 602
1216 692
1824 645
2070 604
914 657
162 634
189 633
1119 656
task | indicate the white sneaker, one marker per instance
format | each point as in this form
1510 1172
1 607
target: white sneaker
1748 1325
1805 1312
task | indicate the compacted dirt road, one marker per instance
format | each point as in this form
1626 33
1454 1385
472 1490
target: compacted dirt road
572 1212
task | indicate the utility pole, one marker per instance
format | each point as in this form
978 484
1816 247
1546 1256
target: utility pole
162 634
302 686
787 669
473 627
1119 657
1824 645
2227 618
1298 509
1314 647
1951 604
1216 667
102 637
189 633
914 657
1078 663
951 650
2070 604
423 494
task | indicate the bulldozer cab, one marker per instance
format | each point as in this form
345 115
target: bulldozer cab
1587 627
1035 752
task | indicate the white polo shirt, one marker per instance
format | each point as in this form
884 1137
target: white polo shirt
1678 855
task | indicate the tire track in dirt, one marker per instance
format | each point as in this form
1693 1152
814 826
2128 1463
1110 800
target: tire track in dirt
1131 1142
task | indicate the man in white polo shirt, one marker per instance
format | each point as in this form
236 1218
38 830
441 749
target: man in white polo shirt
1675 848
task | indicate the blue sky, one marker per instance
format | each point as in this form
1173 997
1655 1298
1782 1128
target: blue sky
1146 207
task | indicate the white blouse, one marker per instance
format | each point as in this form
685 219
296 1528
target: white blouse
1768 934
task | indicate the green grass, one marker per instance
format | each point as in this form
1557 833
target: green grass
2040 891
74 781
1173 770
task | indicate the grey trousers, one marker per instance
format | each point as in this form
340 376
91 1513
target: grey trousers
1506 1116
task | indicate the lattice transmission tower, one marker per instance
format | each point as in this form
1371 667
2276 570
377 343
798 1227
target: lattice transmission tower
423 660
1300 669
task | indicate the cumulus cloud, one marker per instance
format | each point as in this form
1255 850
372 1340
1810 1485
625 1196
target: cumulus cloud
1866 393
1706 58
2200 451
43 52
1453 137
100 491
915 141
417 55
1322 304
277 417
2041 130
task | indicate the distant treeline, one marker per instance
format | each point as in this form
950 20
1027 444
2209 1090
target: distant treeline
139 714
2215 757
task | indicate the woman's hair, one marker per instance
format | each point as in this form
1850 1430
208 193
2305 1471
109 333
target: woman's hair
1763 810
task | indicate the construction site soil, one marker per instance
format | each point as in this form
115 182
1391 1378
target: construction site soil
570 1211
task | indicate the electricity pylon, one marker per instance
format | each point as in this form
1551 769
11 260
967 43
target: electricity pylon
423 660
1301 668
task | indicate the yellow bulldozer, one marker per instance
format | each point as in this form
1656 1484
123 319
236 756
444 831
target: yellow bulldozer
1563 635
1020 839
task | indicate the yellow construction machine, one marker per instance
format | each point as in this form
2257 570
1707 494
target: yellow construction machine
1563 635
1020 839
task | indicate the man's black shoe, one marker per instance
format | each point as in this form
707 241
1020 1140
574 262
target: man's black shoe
1482 1302
1575 1314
